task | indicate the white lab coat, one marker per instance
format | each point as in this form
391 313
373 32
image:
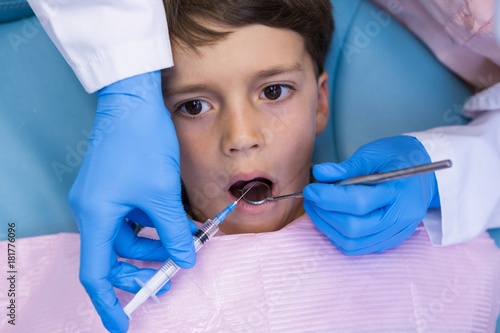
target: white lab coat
107 40
470 190
104 42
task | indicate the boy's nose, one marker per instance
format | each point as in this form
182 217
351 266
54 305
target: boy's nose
242 132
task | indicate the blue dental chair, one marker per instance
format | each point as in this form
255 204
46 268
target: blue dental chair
46 116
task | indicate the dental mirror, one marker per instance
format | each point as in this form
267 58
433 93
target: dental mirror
258 192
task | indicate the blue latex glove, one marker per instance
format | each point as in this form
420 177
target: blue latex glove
361 219
131 166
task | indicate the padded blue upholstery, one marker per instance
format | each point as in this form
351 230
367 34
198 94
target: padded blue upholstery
383 82
45 118
11 10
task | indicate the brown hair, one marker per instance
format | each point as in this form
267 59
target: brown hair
312 19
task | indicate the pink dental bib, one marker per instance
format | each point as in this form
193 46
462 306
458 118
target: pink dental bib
292 280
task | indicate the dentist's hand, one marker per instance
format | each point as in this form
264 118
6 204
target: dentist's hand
131 165
361 219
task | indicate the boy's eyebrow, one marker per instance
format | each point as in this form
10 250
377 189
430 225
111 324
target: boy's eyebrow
297 67
185 90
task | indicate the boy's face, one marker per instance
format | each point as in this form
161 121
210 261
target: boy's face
247 107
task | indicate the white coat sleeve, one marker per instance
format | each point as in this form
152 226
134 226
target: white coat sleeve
470 190
107 40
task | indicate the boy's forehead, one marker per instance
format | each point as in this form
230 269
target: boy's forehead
253 50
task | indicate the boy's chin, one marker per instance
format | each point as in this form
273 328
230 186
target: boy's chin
255 224
246 228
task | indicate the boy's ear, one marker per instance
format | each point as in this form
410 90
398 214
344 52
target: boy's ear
323 109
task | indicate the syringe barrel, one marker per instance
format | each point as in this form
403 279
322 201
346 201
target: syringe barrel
206 232
169 268
162 276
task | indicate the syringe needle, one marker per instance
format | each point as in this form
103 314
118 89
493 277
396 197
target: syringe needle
219 218
248 189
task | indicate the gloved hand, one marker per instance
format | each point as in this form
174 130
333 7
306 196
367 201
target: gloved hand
361 219
131 165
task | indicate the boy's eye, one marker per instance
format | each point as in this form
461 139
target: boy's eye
195 107
275 92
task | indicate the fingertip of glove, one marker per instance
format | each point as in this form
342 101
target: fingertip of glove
306 191
122 327
309 193
328 171
112 315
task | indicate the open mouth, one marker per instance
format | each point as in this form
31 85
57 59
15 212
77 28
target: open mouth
257 193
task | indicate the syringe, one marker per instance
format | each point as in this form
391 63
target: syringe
169 268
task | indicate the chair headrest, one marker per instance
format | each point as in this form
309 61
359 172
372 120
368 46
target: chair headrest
11 10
